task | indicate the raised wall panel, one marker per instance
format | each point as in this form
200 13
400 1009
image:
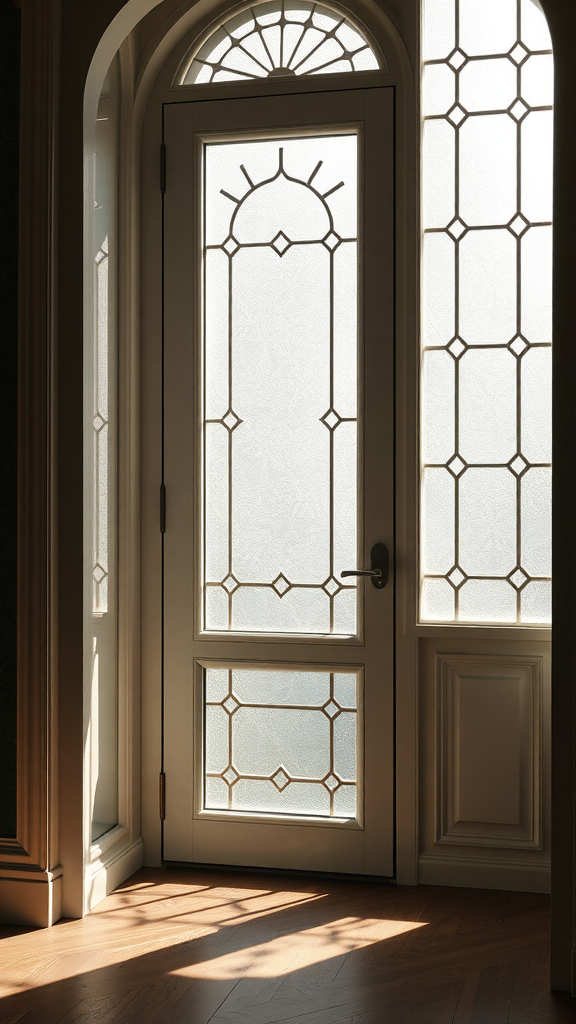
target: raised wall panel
488 750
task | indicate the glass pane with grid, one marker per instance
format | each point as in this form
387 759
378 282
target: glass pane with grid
280 385
486 325
281 742
280 38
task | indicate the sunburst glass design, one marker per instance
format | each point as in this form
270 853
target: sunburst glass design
281 38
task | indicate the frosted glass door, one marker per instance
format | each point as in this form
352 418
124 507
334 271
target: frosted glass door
278 462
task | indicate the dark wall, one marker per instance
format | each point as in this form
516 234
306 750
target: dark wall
9 102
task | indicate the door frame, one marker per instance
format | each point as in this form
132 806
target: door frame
406 289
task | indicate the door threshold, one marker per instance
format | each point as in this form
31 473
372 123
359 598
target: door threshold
243 869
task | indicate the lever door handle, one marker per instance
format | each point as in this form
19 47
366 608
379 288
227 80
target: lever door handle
379 567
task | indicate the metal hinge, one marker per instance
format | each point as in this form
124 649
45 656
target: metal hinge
163 167
162 796
162 508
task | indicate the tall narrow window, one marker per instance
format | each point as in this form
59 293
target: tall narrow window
104 681
486 328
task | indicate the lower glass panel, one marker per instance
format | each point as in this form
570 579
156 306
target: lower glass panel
281 742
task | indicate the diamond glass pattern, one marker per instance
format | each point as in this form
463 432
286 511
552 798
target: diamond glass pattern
231 246
281 585
518 53
519 465
331 709
456 465
331 419
456 228
457 114
331 782
332 586
456 60
280 344
280 780
231 420
280 243
457 347
280 38
519 224
518 346
518 578
487 299
282 741
331 241
456 577
518 110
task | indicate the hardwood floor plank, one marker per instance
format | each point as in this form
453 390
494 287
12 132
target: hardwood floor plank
210 947
465 1005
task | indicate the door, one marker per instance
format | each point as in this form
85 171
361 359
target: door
278 472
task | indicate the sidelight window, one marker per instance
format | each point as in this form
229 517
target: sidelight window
486 319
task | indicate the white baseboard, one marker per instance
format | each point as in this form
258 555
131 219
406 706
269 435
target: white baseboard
112 868
108 872
483 873
30 897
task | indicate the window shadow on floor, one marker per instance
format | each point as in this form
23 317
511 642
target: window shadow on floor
188 947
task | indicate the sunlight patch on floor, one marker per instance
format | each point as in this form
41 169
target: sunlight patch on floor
300 949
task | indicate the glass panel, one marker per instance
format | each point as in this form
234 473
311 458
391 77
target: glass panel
438 411
280 393
486 318
281 742
487 169
438 89
487 396
280 38
487 287
438 197
488 84
103 685
487 27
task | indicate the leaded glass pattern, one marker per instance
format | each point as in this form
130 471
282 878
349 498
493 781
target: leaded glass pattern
281 741
280 385
280 38
101 429
486 328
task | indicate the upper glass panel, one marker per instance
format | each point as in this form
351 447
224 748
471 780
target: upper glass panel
280 38
280 385
486 312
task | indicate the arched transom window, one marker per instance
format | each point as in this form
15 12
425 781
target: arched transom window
487 310
280 38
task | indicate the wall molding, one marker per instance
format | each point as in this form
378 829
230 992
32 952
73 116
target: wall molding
110 868
517 820
483 873
29 883
32 897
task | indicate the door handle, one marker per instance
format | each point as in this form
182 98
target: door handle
379 567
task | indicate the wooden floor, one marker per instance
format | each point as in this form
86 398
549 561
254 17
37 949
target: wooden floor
188 947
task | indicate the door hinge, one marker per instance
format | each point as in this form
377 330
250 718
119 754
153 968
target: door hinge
162 796
163 167
162 508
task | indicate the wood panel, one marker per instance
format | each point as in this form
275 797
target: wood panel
229 948
489 759
484 767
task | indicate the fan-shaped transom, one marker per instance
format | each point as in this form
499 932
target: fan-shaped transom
278 38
